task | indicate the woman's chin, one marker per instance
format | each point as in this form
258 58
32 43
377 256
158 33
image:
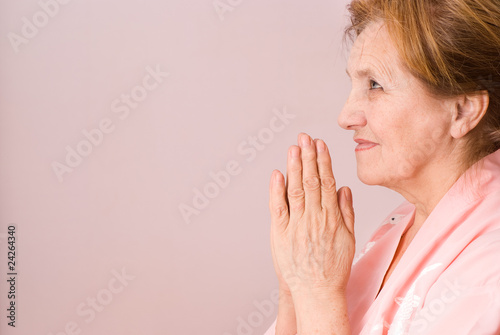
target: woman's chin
368 176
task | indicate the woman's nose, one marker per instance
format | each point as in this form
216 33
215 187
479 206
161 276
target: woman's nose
352 116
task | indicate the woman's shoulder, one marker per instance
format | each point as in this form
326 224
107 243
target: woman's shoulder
483 250
478 264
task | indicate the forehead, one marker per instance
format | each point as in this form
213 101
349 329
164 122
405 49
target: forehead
373 51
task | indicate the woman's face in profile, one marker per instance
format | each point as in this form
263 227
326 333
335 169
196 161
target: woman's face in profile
389 107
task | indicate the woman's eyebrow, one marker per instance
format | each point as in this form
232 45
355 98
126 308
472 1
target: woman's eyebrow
361 73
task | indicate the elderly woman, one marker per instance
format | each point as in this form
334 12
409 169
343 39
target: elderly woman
425 111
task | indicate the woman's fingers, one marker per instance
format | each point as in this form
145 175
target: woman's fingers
328 184
346 207
295 190
310 177
277 201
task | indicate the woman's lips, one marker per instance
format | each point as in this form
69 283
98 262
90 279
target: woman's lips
364 145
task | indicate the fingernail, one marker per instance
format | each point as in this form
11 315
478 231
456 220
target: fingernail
276 178
320 145
348 195
305 140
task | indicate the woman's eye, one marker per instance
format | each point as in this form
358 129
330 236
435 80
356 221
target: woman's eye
374 85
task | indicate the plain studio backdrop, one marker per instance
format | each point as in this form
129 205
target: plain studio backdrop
137 141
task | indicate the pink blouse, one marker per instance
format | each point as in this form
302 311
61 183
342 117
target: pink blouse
448 280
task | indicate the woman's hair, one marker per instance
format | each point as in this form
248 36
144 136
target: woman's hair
452 46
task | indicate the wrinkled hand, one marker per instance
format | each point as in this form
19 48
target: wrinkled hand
312 225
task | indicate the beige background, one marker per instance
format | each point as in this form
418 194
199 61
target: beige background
232 65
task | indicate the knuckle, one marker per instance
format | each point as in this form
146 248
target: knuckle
297 168
311 183
296 199
297 206
309 155
280 211
296 194
328 184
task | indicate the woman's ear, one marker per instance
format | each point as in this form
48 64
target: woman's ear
467 111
